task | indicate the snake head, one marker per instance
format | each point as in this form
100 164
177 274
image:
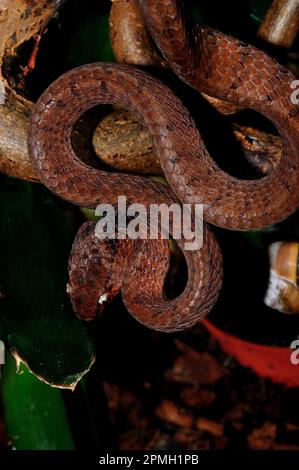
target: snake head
90 285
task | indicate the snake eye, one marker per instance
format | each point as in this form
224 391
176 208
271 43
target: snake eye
283 289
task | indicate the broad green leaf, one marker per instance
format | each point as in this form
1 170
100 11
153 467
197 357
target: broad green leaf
35 414
40 327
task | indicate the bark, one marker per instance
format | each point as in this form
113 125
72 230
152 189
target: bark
124 144
20 21
281 23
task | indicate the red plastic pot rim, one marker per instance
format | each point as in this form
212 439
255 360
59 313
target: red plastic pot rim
267 361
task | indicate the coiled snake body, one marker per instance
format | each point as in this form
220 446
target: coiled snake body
210 62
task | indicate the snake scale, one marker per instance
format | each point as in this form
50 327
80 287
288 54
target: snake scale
210 62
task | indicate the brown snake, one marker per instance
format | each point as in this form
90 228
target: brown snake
210 62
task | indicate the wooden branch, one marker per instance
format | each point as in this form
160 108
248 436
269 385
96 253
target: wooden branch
20 21
124 144
129 38
281 23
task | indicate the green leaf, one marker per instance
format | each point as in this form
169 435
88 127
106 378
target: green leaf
35 414
40 327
